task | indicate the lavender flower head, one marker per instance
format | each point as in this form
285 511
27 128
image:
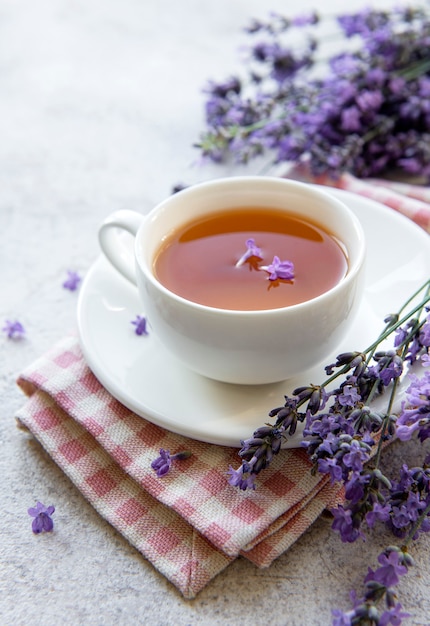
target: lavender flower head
390 570
141 325
241 478
415 415
252 250
13 330
72 281
394 563
42 521
162 464
279 269
366 114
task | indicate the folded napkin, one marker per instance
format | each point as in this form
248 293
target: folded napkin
190 524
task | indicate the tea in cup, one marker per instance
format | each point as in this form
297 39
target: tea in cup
246 280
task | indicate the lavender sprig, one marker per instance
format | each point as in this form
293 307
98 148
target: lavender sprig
367 112
162 464
345 411
379 587
344 437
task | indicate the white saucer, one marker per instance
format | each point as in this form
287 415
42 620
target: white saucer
139 372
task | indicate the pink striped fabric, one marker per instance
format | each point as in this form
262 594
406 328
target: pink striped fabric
191 523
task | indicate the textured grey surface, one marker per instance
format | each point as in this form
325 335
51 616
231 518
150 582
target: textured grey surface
100 102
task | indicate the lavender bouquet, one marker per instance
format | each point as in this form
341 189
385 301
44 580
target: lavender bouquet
364 111
344 435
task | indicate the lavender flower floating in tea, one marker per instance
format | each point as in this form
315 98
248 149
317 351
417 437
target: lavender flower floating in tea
203 261
252 250
277 270
283 270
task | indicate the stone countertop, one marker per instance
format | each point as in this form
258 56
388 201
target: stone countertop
100 105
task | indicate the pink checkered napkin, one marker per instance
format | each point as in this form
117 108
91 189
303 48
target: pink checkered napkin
191 523
179 552
413 201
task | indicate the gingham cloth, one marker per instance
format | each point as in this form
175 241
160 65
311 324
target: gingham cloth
191 523
413 201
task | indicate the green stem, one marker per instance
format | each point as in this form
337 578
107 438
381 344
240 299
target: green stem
419 69
400 322
425 286
385 422
388 329
417 525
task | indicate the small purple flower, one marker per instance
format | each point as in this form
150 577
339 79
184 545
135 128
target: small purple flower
349 396
369 100
415 347
418 393
344 524
378 513
391 371
72 281
390 571
355 487
238 478
162 464
330 445
340 618
400 517
42 518
393 615
404 432
415 416
305 19
389 366
351 119
14 330
330 466
356 456
425 333
141 325
279 269
251 250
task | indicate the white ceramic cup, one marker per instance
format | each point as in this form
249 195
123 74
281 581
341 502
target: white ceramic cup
244 347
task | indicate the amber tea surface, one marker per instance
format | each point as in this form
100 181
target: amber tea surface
198 262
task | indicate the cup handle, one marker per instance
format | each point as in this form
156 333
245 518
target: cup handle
113 245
